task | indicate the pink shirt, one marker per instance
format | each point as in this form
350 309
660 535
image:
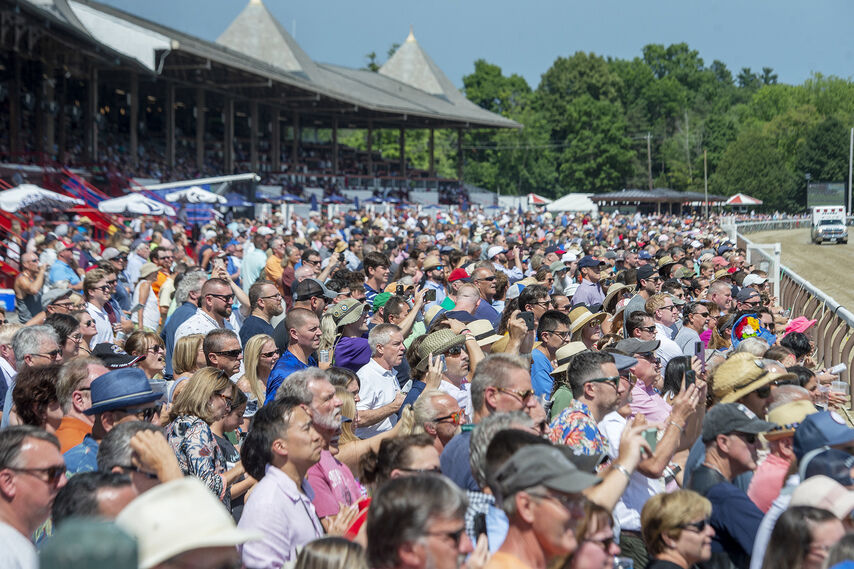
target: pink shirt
767 481
646 402
333 484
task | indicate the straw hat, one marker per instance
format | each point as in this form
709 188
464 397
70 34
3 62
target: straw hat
609 303
431 263
788 416
741 375
347 311
177 517
564 355
580 317
483 332
437 343
148 269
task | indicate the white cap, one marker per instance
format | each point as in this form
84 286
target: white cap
753 279
493 251
265 231
569 257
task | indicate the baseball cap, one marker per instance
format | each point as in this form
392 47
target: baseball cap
826 428
110 253
54 295
646 271
644 255
833 463
746 294
540 465
89 543
825 493
308 288
557 266
752 279
589 261
459 275
113 356
380 300
494 250
555 249
726 418
636 346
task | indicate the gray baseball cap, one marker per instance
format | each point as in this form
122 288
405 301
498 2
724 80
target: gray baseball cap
54 295
537 465
726 418
635 346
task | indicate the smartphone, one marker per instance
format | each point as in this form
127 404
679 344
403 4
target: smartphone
407 387
398 290
340 257
528 317
651 436
429 296
700 351
690 377
444 363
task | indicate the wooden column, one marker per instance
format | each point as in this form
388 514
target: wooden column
228 148
335 146
91 115
253 136
134 119
15 108
370 148
200 128
402 145
295 143
61 127
432 146
169 109
275 141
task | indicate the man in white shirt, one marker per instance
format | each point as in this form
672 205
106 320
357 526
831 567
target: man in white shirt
31 473
380 396
214 310
665 313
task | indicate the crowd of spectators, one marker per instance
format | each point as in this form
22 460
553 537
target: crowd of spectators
402 391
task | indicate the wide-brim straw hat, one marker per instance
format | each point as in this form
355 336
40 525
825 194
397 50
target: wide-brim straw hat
565 354
742 374
581 318
436 343
788 416
483 332
611 299
347 311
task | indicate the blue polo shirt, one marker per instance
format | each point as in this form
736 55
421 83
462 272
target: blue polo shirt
455 461
83 457
59 271
286 365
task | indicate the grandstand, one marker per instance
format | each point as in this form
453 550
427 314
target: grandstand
112 96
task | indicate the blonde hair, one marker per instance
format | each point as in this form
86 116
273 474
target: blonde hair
348 411
664 515
332 553
186 354
251 358
328 332
194 399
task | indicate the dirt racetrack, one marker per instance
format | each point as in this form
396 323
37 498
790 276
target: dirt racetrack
829 266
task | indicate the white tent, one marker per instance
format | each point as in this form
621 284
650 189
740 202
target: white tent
135 204
29 197
195 194
573 202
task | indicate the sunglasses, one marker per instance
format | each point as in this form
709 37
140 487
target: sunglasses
132 468
456 418
696 526
145 415
749 438
230 353
269 354
522 395
492 278
647 328
52 355
54 473
454 536
227 298
613 380
454 351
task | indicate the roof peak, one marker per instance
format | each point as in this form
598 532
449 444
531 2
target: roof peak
410 64
411 37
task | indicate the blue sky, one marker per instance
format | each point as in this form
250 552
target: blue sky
795 37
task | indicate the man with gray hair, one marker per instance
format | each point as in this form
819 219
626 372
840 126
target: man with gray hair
380 396
416 522
438 415
140 450
501 383
31 473
335 488
33 346
187 294
72 391
8 365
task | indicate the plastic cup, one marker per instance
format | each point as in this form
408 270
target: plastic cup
839 387
623 563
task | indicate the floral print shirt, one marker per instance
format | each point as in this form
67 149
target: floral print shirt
198 454
576 428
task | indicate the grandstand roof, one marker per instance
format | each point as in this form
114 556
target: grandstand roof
256 45
657 195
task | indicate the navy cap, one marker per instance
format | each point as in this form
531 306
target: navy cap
589 261
830 462
827 428
644 255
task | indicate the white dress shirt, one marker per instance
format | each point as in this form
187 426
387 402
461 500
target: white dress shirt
377 387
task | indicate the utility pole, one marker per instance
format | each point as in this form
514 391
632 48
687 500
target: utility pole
649 158
706 182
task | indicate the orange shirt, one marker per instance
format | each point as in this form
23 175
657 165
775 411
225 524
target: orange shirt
161 278
71 432
501 560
